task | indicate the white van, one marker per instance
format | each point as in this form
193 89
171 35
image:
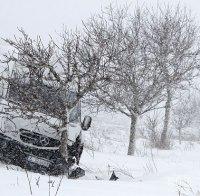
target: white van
33 145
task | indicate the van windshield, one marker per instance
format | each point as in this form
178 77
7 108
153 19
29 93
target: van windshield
43 98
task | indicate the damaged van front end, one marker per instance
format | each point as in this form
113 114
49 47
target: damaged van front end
33 144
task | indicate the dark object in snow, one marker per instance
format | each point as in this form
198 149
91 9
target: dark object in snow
97 178
77 173
113 177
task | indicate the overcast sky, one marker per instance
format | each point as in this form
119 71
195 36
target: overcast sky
47 16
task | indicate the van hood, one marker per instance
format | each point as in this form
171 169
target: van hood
11 129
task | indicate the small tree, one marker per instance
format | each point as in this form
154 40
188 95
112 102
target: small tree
183 114
173 38
74 66
151 125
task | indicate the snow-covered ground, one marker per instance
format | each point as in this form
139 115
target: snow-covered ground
150 172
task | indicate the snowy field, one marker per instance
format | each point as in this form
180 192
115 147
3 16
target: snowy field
163 173
150 172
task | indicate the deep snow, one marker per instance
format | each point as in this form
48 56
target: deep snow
150 172
165 174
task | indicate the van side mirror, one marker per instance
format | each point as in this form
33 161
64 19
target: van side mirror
85 125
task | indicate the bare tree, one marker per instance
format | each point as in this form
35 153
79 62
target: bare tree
41 76
173 38
151 125
136 85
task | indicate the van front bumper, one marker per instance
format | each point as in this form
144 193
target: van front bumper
43 161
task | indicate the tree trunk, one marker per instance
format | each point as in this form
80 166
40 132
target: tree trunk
63 144
131 147
163 140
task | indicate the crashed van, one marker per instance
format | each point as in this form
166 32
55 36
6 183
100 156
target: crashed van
33 144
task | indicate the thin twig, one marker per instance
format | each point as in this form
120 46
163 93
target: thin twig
29 182
59 185
49 186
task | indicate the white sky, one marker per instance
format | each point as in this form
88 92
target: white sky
47 16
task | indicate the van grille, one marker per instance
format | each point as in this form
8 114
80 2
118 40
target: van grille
37 139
